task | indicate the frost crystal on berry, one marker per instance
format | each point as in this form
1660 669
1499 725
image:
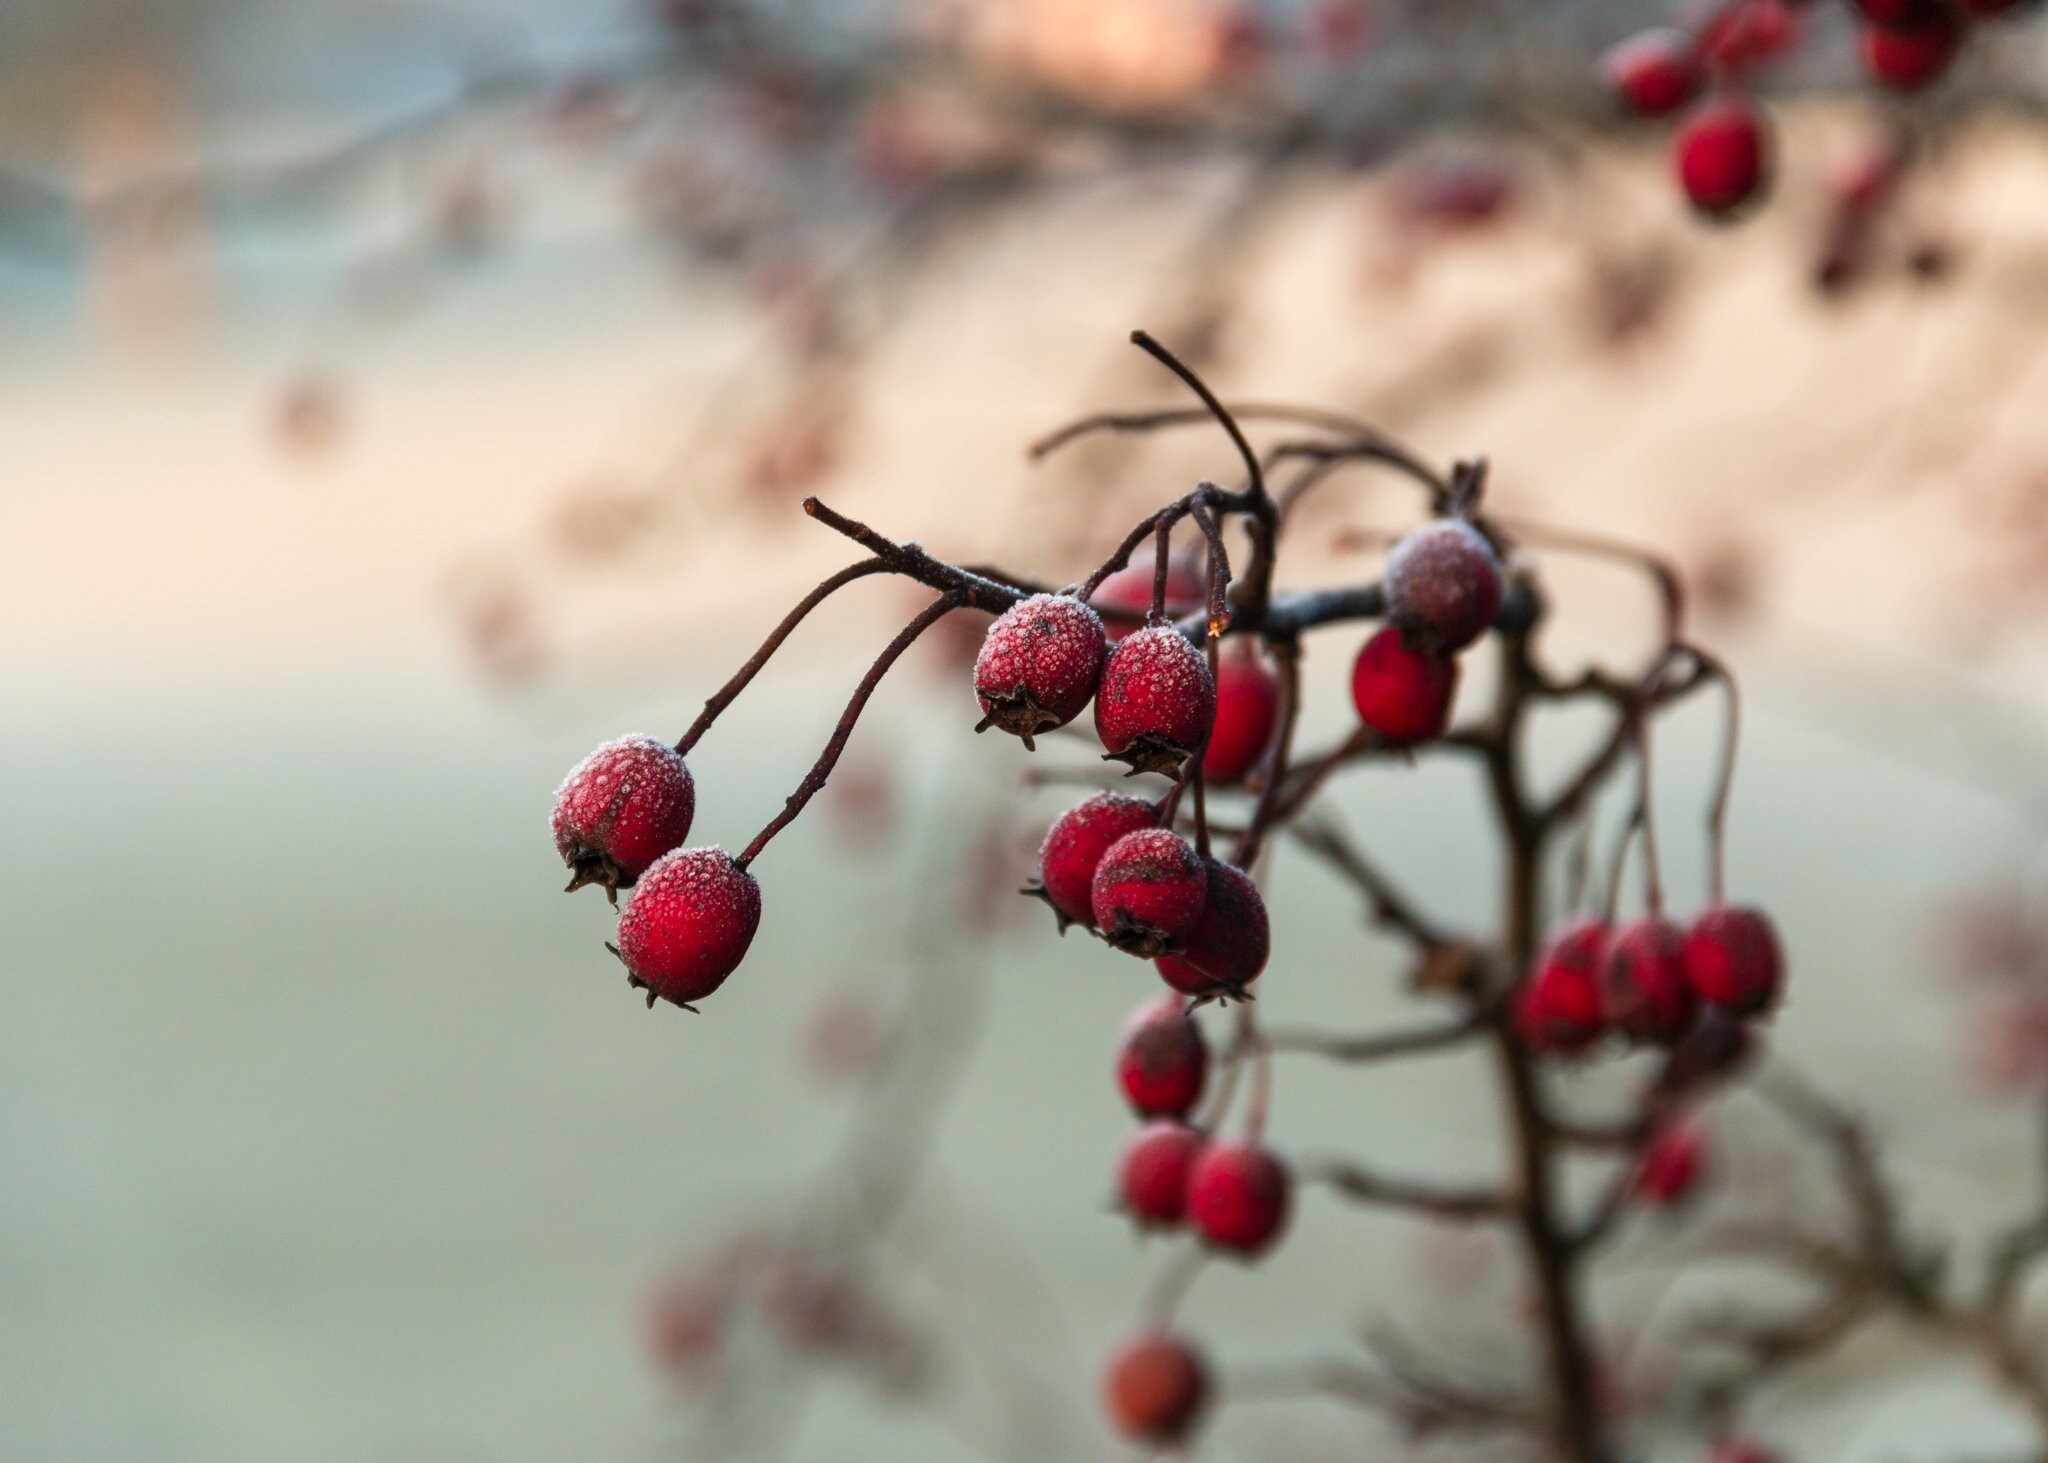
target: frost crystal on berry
1156 702
1039 665
621 808
688 924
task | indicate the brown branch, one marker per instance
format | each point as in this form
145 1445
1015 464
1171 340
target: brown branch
1435 1037
1367 1187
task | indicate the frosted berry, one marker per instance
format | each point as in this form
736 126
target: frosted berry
1163 1061
1039 665
1401 692
688 924
1130 590
1238 1197
1247 704
1156 700
620 809
1074 845
1913 52
1732 960
1643 988
1653 73
1154 1388
1722 156
1443 585
1672 1166
1229 946
1558 1009
1149 892
1152 1177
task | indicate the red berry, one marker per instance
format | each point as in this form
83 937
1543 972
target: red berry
1130 588
1914 52
1713 1049
1732 959
1149 892
1154 1388
1653 73
1558 1008
1741 1450
1163 1060
1156 701
620 809
1402 693
1229 946
1247 704
1238 1197
1152 1178
1722 156
1671 1168
1443 585
1039 665
688 924
1747 34
1074 846
1643 988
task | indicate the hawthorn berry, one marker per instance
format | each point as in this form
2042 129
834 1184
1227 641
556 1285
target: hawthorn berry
1247 704
1130 589
1912 52
1231 942
1643 989
1152 1176
1163 1061
1074 846
1653 73
1149 892
620 809
1238 1197
1156 702
1558 1008
1039 665
1401 692
1443 585
1722 156
1154 1388
1714 1048
687 924
1749 34
1732 959
1672 1165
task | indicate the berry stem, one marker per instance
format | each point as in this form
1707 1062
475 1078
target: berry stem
1171 1286
1724 778
1286 655
1646 818
1255 474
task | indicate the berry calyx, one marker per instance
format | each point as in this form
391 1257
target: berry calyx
1152 1176
1643 988
1672 1165
1163 1061
1558 1009
1154 1388
1239 1196
1247 704
1156 701
621 808
1130 590
1401 692
1914 51
1230 944
1653 73
1149 892
1443 585
1074 847
1722 156
1038 665
687 925
1732 960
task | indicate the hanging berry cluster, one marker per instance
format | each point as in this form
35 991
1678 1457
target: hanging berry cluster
1194 674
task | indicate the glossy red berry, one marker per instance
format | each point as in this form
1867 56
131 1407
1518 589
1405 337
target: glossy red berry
1039 665
1247 705
1732 959
1558 1009
1130 590
1653 73
1163 1061
1401 692
620 809
1152 1177
1156 701
1443 585
1075 844
1154 1388
1643 988
1239 1196
1722 155
688 924
1911 53
1149 892
1673 1163
1231 943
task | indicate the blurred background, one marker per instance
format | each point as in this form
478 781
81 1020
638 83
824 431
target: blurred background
397 399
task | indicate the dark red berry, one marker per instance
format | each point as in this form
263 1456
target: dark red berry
1911 53
1714 1049
1443 585
1163 1060
1672 1166
688 924
1558 1008
1247 704
1229 946
1149 892
1152 1177
1156 701
1154 1388
1401 692
1075 844
1643 988
1722 156
1130 589
1732 959
1748 34
1653 73
1039 665
620 809
1238 1197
